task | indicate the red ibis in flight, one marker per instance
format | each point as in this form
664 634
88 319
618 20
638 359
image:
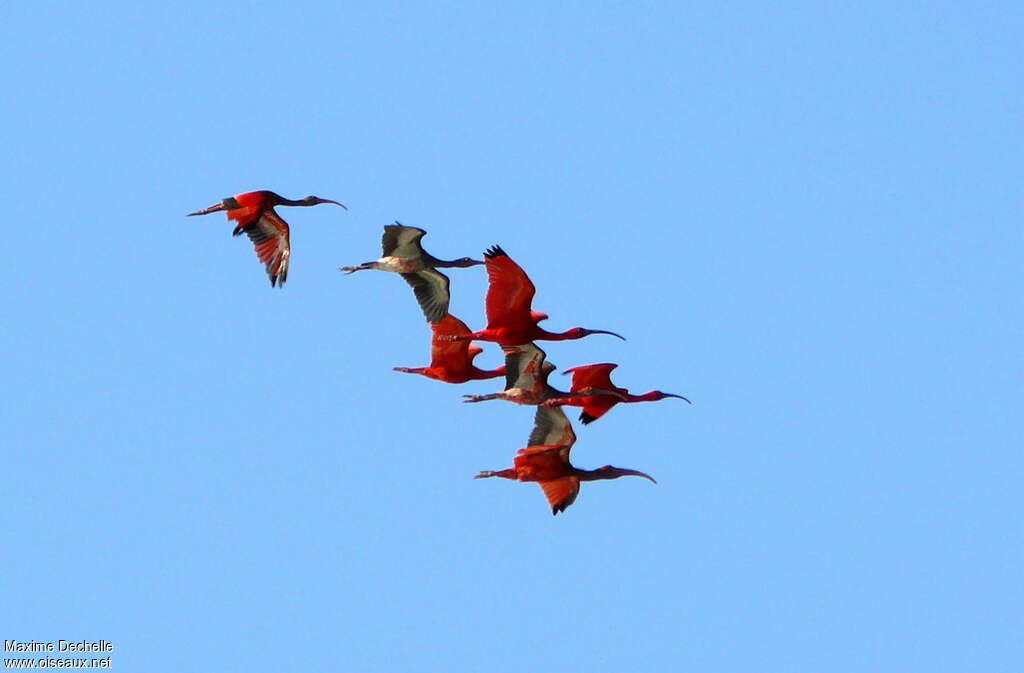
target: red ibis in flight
452 361
598 376
254 214
526 379
404 255
510 320
548 464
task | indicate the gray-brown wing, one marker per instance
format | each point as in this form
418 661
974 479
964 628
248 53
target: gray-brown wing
524 367
431 289
551 426
401 241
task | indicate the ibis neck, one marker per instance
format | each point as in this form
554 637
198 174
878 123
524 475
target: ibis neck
434 262
281 201
551 393
609 472
555 336
650 396
478 374
592 475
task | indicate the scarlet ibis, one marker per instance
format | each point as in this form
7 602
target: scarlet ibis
255 215
404 255
548 464
526 379
452 361
599 376
510 320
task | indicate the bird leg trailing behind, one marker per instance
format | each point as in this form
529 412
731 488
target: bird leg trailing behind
411 370
211 209
394 264
360 267
505 395
509 473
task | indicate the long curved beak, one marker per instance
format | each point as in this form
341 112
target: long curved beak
334 202
680 397
636 473
604 331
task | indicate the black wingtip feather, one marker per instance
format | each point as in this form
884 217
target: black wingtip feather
494 251
587 418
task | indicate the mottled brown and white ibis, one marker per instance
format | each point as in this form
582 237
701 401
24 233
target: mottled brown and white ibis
404 254
255 215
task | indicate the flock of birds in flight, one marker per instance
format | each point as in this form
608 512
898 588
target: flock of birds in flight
511 323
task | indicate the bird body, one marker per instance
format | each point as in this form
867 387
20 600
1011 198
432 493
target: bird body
452 361
395 264
526 379
510 320
598 376
548 465
404 254
254 214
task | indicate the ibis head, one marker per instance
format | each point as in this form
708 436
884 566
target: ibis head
612 472
580 332
314 201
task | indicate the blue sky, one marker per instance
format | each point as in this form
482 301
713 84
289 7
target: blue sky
806 219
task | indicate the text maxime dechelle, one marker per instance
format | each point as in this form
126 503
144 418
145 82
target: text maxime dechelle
58 646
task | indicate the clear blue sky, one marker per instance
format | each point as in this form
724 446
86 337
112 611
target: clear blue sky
805 219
